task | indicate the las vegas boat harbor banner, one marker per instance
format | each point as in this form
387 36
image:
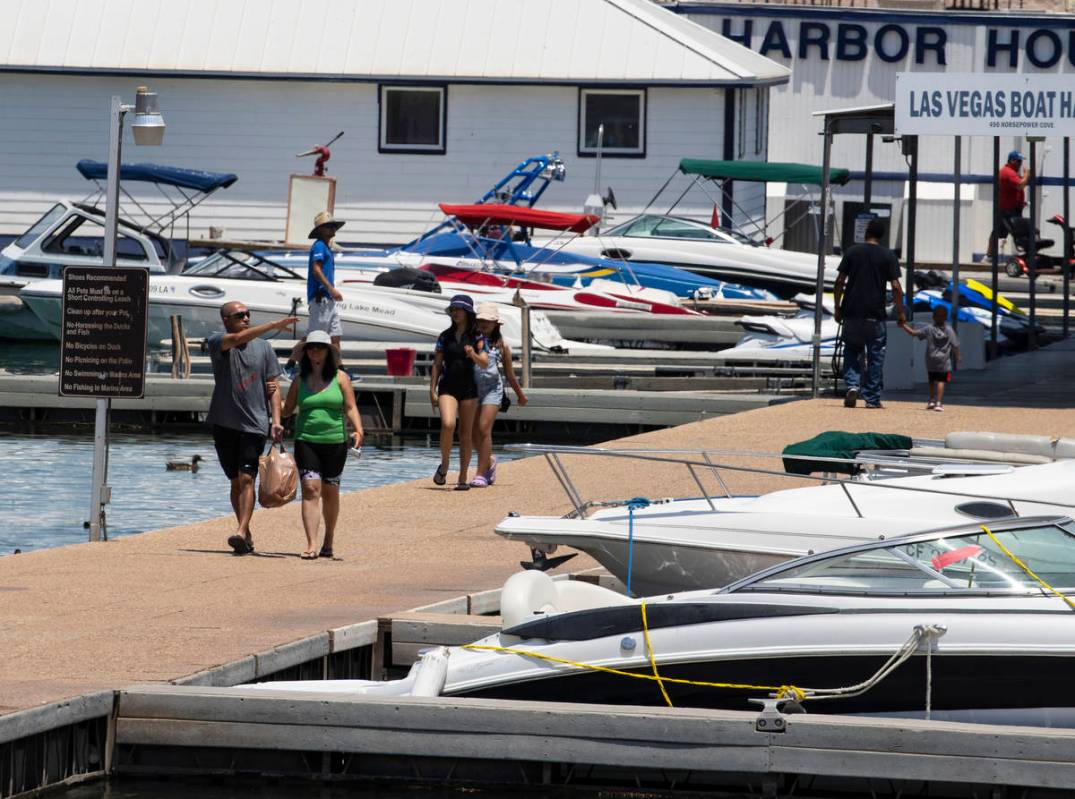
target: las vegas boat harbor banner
985 104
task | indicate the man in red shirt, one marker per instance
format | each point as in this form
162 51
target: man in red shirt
1010 197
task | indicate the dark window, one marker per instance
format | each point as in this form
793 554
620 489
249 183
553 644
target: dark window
82 236
412 119
40 226
23 269
622 112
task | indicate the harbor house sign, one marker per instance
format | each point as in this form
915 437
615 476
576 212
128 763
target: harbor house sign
894 42
984 104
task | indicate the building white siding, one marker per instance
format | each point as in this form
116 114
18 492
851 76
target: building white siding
832 83
254 128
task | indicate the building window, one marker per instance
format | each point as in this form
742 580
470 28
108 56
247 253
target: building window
622 112
413 119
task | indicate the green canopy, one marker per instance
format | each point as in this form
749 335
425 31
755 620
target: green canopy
760 171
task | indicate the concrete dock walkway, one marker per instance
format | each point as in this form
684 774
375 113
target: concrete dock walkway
162 605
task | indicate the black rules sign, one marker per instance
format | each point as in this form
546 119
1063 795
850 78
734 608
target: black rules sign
103 332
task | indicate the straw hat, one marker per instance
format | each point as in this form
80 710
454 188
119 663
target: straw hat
324 219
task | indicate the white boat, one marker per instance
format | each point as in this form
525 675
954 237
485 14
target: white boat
68 234
943 625
72 234
682 544
712 252
370 313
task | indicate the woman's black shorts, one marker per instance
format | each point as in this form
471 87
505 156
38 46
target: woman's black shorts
322 462
462 387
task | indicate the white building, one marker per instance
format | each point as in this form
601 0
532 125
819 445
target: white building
438 98
849 57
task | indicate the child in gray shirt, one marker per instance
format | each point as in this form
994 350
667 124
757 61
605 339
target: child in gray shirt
942 352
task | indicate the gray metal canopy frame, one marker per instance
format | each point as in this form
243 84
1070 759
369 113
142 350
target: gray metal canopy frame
868 121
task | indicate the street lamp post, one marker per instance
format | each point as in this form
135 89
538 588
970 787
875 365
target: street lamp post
148 129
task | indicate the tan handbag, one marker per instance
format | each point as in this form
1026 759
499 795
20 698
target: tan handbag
278 478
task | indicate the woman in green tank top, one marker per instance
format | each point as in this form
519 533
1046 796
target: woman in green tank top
325 401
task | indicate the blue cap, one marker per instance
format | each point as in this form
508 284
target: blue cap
1015 155
462 301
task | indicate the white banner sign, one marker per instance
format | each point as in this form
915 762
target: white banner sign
984 104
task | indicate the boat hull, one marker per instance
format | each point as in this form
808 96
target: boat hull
1004 690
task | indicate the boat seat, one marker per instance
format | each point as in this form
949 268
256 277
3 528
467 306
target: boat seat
531 593
992 456
1001 442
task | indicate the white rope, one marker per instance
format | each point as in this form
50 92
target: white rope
921 632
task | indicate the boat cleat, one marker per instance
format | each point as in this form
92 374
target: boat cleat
773 710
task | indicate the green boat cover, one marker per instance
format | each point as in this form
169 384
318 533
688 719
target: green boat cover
837 444
761 171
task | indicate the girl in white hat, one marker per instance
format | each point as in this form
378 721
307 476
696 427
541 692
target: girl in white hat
491 398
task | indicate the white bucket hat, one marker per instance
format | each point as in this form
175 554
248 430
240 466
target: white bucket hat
488 311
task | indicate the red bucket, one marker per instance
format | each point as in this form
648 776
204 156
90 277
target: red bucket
400 362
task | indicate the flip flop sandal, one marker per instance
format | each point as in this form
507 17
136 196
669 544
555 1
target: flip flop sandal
462 487
440 476
240 545
308 555
479 482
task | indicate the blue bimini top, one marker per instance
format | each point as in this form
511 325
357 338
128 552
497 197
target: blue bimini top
155 173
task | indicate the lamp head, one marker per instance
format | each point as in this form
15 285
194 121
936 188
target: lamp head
148 124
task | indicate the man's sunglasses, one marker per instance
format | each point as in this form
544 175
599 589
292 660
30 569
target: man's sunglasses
239 315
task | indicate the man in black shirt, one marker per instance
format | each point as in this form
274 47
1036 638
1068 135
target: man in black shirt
860 306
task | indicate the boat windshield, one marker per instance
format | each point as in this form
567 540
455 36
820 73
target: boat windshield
40 226
236 265
958 562
669 227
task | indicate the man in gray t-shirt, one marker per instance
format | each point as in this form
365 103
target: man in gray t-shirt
245 396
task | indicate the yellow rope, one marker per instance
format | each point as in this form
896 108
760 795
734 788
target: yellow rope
782 691
652 660
1026 568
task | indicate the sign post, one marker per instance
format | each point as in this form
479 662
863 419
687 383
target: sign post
103 353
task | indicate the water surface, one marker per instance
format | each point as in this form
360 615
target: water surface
46 497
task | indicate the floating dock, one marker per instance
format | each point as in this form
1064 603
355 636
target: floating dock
80 625
390 405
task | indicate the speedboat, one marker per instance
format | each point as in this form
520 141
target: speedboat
68 234
367 313
967 623
605 311
470 242
494 234
697 247
724 253
682 544
72 234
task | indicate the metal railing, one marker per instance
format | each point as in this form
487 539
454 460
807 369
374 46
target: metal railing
702 459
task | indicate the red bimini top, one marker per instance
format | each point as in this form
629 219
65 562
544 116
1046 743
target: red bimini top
480 215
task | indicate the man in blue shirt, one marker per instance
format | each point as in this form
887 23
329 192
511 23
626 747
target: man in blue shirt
321 293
